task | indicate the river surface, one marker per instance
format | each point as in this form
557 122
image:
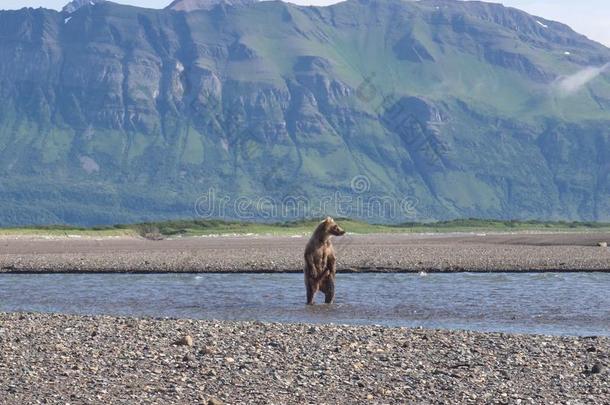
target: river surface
548 303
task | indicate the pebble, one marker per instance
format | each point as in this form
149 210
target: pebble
185 341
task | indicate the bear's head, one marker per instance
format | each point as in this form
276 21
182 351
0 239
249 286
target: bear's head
331 228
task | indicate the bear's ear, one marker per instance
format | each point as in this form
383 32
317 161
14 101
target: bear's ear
329 220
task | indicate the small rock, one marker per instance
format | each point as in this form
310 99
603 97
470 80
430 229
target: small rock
207 350
185 341
188 357
591 349
214 401
596 369
602 244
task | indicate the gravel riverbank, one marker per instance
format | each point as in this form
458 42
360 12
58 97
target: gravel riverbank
70 359
377 253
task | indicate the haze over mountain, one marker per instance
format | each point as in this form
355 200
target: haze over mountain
114 113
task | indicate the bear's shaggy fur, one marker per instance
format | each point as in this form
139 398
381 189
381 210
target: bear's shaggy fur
320 268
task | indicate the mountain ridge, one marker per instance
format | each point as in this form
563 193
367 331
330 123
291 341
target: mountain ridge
124 114
76 4
193 5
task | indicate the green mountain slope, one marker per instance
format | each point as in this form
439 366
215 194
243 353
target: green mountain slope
386 110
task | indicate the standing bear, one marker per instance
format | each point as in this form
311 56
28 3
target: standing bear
320 269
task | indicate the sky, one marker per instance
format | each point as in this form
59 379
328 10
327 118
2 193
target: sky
589 17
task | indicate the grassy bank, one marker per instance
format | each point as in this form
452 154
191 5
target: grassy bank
158 230
68 231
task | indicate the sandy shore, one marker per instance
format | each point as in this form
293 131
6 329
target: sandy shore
68 359
387 252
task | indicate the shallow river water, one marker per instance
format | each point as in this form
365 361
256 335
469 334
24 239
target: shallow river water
549 303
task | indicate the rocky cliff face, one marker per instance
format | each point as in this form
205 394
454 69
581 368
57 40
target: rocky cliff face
115 113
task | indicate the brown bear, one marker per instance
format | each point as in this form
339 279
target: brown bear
320 268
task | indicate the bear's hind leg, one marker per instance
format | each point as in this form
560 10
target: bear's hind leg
310 292
328 288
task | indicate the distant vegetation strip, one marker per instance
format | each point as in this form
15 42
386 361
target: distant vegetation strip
177 228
